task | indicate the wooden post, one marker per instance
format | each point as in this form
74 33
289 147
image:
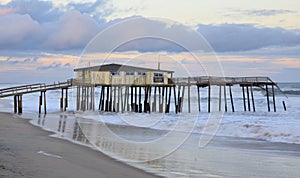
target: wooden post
45 103
220 98
179 100
170 91
198 92
225 99
189 94
132 102
135 99
140 100
66 100
273 92
182 98
166 101
88 99
100 98
93 98
252 96
154 101
119 98
115 99
162 100
40 102
62 100
110 99
149 99
268 101
248 99
107 99
78 98
20 109
208 100
175 102
15 104
244 98
284 107
231 99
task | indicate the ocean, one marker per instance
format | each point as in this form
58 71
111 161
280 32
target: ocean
217 144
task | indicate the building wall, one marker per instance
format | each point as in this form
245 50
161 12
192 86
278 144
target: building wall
106 78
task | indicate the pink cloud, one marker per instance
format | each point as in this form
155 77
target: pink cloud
4 11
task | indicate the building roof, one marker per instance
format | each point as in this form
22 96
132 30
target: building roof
119 67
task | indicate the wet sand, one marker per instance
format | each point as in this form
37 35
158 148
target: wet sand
28 151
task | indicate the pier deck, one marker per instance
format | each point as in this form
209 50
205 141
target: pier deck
146 98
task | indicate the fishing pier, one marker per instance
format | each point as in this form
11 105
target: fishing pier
121 88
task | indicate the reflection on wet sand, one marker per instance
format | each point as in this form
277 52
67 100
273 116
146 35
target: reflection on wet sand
223 157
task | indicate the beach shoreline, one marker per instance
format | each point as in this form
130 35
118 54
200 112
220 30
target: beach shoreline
29 151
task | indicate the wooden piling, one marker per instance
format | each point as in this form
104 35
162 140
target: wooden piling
115 99
15 104
225 99
62 100
220 97
248 98
40 102
154 100
20 102
175 102
189 94
182 98
273 93
110 99
268 100
198 94
78 98
231 99
244 98
208 99
140 106
45 103
284 106
252 96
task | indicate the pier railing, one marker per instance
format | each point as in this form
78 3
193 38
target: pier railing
32 88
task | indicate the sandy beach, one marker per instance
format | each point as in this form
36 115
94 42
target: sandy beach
28 151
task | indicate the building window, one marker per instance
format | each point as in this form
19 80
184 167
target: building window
129 73
114 73
158 78
141 73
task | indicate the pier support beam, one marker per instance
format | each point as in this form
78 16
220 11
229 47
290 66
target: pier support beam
198 93
225 99
243 89
273 93
208 98
41 102
268 100
231 99
248 99
252 96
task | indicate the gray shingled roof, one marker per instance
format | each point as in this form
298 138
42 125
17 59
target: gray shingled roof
119 67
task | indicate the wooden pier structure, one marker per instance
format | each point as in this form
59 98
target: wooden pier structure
116 88
17 93
157 98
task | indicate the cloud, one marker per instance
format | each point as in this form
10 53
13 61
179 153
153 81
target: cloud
72 30
16 29
243 37
38 10
267 12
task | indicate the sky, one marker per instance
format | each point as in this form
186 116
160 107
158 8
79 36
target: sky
43 40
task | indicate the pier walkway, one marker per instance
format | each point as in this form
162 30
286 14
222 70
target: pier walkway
139 98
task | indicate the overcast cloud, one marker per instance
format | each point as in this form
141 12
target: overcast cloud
39 25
